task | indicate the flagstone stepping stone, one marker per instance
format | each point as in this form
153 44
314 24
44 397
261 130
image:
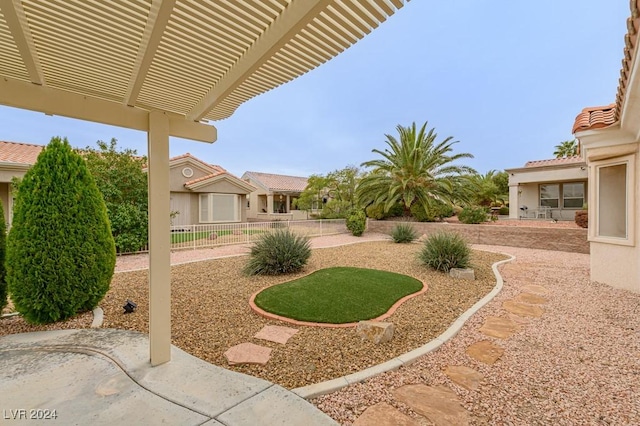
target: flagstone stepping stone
247 353
499 327
535 289
276 333
437 403
522 309
383 414
485 351
533 299
466 377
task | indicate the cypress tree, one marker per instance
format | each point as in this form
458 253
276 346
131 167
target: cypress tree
60 251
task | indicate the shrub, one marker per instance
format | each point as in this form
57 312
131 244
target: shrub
443 251
433 213
278 252
582 218
356 222
403 233
472 215
376 211
3 271
504 210
60 251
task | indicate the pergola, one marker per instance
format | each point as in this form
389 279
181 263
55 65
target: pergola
166 67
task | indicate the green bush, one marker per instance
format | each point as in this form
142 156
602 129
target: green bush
443 251
60 251
504 210
357 222
376 211
3 271
403 233
433 213
278 252
473 215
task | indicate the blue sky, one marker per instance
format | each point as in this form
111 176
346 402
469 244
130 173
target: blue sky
504 78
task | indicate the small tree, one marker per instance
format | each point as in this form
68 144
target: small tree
123 185
60 251
357 222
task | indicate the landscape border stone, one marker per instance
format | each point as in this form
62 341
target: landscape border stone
329 386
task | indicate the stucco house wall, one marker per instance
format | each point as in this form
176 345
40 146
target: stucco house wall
526 183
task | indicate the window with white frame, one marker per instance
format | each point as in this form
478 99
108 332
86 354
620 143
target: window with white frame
612 201
573 195
550 195
219 208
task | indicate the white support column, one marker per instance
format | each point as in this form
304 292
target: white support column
159 239
288 207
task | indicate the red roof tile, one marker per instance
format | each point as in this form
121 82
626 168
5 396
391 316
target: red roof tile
22 153
555 161
595 118
280 182
598 117
218 169
191 182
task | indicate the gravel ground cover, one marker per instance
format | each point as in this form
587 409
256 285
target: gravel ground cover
578 364
210 312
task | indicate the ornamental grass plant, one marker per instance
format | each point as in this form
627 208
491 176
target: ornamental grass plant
278 252
444 251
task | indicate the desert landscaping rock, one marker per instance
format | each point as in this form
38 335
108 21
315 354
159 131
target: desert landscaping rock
439 404
463 274
375 331
247 353
463 376
383 414
522 309
276 333
533 299
485 351
499 327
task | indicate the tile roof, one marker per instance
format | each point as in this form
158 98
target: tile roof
598 117
22 153
217 169
595 118
200 179
280 182
555 161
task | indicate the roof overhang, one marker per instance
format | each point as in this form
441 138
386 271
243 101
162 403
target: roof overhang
243 186
115 62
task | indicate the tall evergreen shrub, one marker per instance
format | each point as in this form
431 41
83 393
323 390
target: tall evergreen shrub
60 251
3 271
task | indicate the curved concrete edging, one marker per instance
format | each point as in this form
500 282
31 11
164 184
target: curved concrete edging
329 386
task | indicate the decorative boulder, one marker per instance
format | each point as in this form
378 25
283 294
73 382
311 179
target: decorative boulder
213 235
375 331
463 273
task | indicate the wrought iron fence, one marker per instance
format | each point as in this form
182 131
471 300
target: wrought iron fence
202 236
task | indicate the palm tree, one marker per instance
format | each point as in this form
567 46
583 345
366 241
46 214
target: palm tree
413 169
486 191
566 149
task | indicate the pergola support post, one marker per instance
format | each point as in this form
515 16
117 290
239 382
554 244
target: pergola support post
159 239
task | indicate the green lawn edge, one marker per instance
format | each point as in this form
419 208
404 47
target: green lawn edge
338 295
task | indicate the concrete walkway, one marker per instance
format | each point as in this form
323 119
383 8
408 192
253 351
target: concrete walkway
103 377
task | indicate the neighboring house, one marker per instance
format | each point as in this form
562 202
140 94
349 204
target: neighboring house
203 193
275 196
15 159
610 141
550 189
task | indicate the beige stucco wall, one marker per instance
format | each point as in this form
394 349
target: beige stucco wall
524 187
177 180
615 265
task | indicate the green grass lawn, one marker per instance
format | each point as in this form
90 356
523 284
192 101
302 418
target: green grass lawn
183 237
338 295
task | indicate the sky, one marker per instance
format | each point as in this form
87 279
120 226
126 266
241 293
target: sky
504 78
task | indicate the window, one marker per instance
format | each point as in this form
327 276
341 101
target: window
612 201
219 208
549 195
573 195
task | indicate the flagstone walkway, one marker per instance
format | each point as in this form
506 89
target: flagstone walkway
441 405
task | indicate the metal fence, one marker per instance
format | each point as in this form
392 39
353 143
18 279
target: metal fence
202 236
